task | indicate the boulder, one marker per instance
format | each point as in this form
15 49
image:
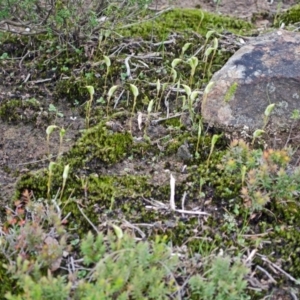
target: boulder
264 71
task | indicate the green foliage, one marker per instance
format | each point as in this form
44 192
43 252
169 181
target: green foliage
267 175
108 266
121 267
72 21
186 19
116 266
8 283
290 16
222 280
285 244
106 191
32 241
14 110
47 288
97 143
35 233
125 269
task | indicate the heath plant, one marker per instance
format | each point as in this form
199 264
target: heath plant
223 279
264 175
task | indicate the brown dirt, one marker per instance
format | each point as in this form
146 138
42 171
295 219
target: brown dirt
244 9
23 147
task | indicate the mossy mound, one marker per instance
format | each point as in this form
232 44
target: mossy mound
97 145
15 110
186 21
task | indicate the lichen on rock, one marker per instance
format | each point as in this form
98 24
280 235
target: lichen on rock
265 72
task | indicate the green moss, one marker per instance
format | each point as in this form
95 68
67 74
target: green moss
174 122
174 143
74 88
290 16
18 110
107 195
96 148
186 20
98 145
285 247
94 194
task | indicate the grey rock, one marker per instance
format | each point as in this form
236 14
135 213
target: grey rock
264 71
183 153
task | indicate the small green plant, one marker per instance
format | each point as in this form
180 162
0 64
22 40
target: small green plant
295 114
53 108
185 47
214 140
149 110
65 177
50 175
135 92
191 97
207 90
267 113
64 69
193 62
200 125
263 175
62 133
158 88
210 52
108 64
4 56
89 105
223 279
49 130
109 95
259 132
135 270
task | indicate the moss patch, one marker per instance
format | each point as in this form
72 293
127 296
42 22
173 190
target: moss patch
15 110
186 20
291 16
98 145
